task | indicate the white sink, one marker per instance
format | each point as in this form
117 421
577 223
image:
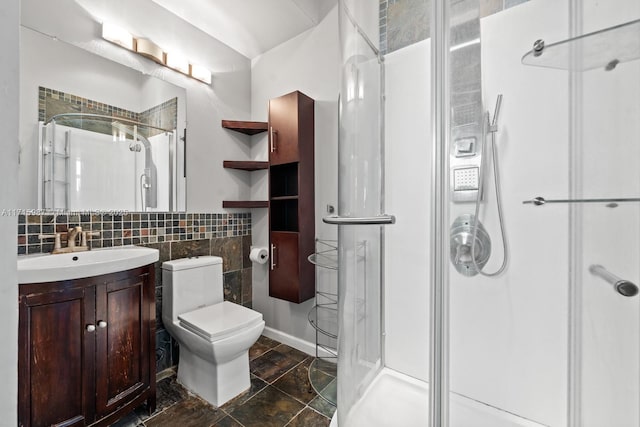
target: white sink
75 265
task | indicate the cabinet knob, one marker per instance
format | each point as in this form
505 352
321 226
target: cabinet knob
91 328
102 324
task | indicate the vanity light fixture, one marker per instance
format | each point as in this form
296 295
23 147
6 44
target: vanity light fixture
152 51
177 62
117 35
201 73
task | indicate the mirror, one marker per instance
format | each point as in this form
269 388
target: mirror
95 134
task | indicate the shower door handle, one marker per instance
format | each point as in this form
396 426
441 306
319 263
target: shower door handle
365 220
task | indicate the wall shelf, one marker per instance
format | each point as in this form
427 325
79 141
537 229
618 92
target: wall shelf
245 165
245 204
246 127
600 49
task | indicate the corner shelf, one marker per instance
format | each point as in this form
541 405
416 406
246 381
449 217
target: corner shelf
323 317
245 165
604 49
246 127
245 204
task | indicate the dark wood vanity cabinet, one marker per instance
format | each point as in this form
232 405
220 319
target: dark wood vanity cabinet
291 197
86 349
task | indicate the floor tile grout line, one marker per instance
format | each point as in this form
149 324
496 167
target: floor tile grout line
286 372
319 413
245 402
294 417
234 419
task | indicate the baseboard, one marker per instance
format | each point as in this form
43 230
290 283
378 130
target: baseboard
295 342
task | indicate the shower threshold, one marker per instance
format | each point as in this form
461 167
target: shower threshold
397 399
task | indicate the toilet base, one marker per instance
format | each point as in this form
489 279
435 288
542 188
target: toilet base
217 384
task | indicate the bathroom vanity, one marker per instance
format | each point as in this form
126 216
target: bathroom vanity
86 348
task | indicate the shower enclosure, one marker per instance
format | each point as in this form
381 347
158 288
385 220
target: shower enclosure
92 162
554 338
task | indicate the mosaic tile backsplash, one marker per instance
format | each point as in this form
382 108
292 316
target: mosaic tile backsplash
404 22
174 235
130 228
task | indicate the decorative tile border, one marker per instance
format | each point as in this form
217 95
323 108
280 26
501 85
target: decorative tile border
404 22
130 228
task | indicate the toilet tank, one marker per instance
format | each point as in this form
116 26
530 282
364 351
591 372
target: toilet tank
190 283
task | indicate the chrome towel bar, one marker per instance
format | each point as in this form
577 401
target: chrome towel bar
539 201
369 220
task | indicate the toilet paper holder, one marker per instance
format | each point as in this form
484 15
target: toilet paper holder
259 255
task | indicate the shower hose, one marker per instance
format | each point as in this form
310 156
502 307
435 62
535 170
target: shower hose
492 129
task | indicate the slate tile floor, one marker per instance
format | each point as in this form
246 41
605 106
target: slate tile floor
280 395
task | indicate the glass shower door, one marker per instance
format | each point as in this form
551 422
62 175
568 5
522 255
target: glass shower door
606 108
555 339
359 218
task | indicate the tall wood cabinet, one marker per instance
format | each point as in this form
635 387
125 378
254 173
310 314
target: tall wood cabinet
86 349
291 197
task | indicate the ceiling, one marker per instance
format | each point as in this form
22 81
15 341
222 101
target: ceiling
250 27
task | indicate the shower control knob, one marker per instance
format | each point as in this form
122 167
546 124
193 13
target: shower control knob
91 328
102 324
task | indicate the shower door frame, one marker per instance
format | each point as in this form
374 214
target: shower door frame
439 289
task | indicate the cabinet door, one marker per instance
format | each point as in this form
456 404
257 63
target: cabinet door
283 129
123 319
283 276
56 363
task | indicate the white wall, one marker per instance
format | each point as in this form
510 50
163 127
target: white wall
308 63
9 79
407 194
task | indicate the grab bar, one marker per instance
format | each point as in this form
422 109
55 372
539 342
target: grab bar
539 201
621 286
367 220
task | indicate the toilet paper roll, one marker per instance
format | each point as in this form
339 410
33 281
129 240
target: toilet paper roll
259 255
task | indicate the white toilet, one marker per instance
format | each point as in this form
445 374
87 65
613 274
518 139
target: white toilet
214 335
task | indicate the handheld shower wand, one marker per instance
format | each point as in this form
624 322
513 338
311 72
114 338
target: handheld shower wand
492 128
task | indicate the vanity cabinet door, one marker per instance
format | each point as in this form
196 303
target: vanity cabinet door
283 275
124 313
56 367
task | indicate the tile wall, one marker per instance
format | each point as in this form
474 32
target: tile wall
52 102
175 235
404 22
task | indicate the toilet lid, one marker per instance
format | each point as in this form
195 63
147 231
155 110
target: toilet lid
216 321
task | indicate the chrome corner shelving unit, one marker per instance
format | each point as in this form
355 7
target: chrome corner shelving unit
324 318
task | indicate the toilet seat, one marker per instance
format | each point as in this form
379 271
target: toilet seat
219 321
